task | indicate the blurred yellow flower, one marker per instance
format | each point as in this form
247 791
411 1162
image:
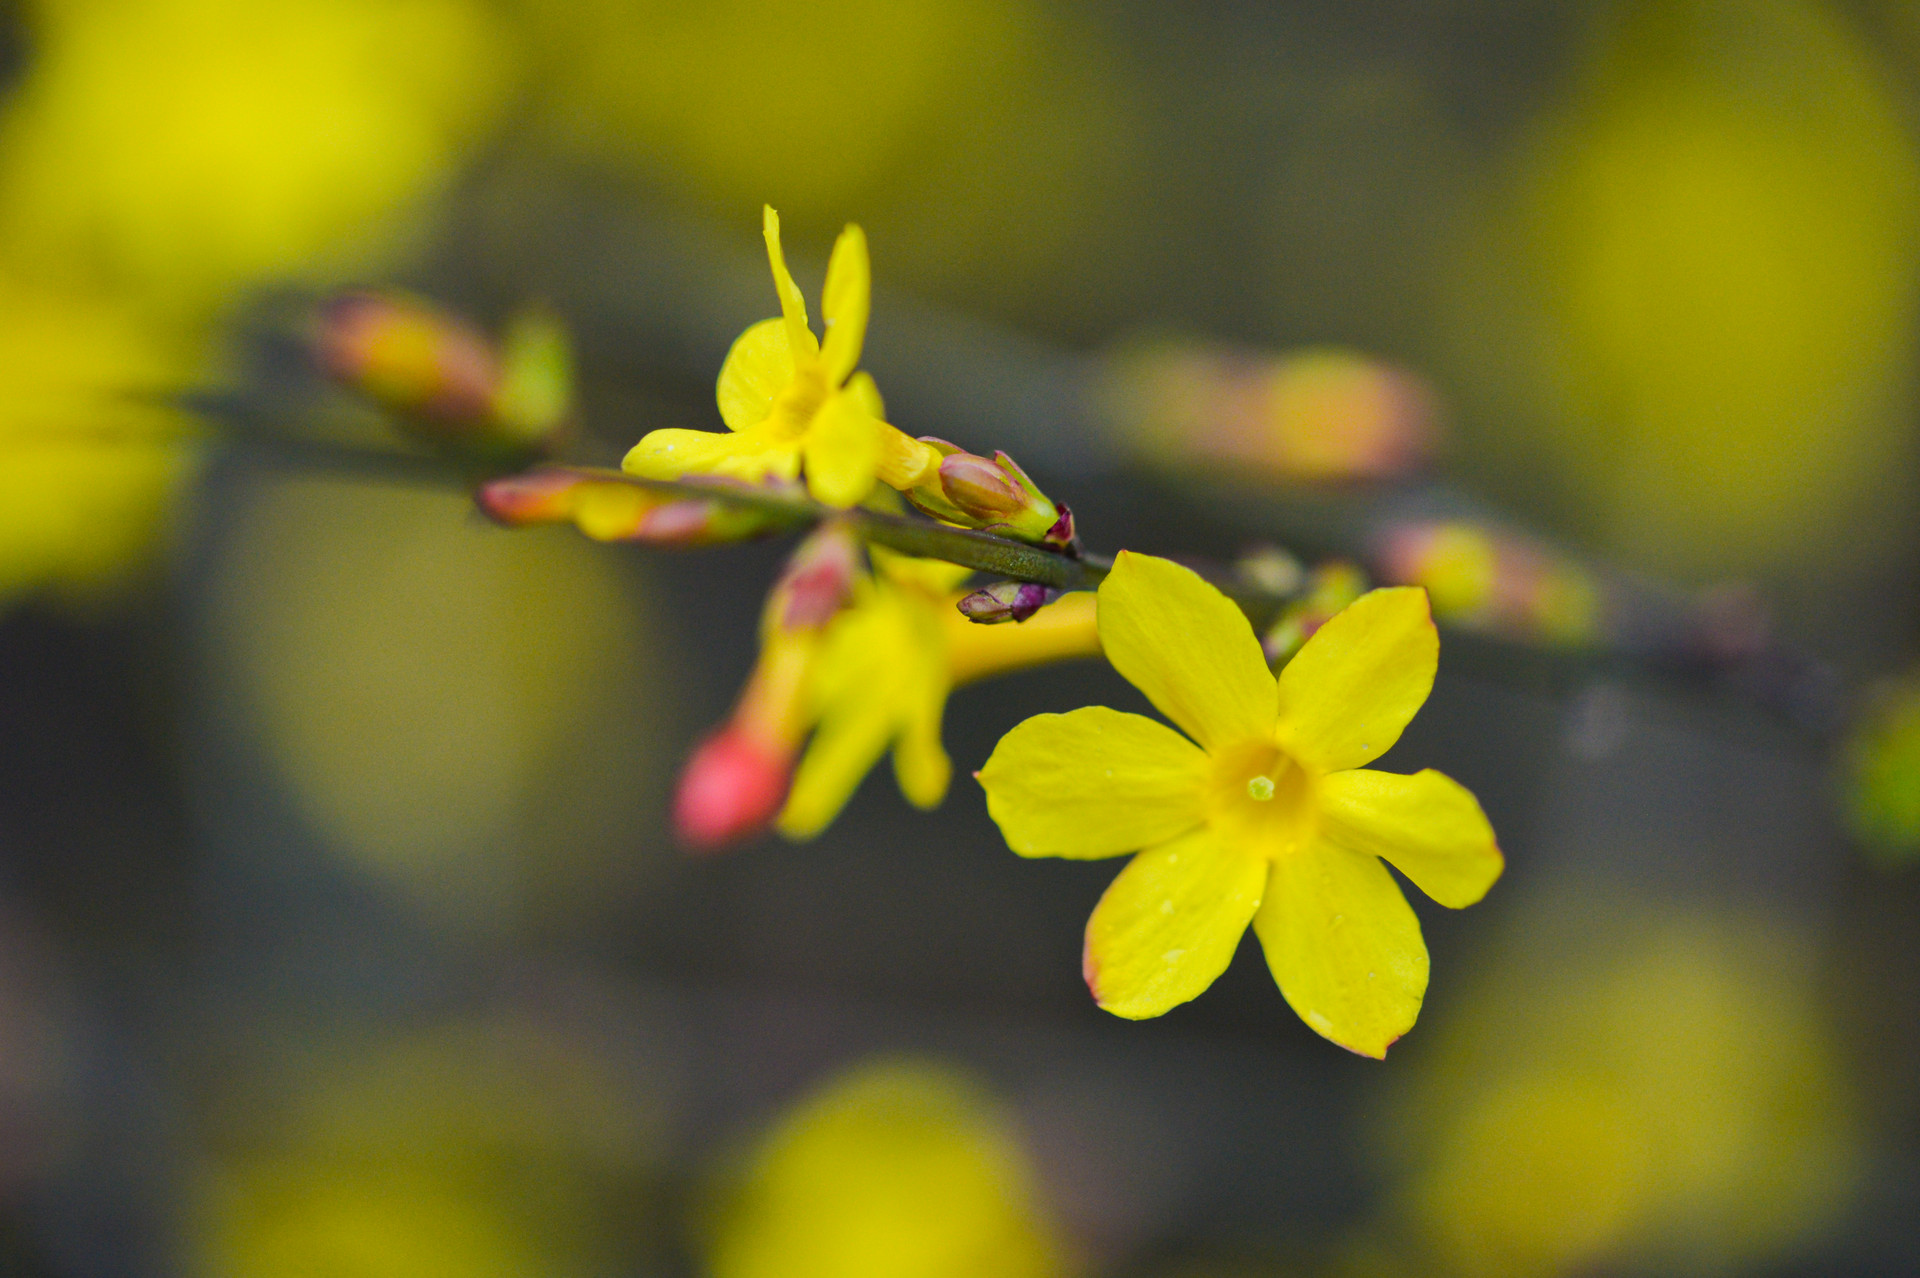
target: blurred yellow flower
903 1169
86 467
1269 820
184 148
883 673
1630 1088
1698 321
468 718
791 400
489 1149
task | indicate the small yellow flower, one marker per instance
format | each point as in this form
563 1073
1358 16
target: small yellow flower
791 401
1270 820
885 669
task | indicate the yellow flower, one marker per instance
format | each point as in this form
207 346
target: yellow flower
904 1168
885 669
1270 820
793 402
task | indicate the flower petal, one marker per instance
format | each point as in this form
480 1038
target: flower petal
842 452
1188 647
793 307
1428 825
748 456
920 762
861 387
844 749
1169 924
1354 686
844 303
1344 946
758 368
1093 782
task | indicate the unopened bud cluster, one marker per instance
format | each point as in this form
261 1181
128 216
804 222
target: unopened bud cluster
445 381
1005 601
1326 590
606 506
994 495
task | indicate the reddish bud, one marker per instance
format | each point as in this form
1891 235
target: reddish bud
1490 579
818 578
1005 601
980 488
543 496
731 789
1317 415
409 356
606 506
995 495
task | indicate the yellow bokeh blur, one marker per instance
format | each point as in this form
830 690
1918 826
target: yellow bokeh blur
158 159
87 469
937 124
899 1168
487 1149
1629 1085
1697 311
468 714
180 149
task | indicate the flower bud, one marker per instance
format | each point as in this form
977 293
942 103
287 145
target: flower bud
732 788
444 379
535 393
1497 581
980 488
818 579
606 506
1321 415
1005 601
409 356
1329 588
995 496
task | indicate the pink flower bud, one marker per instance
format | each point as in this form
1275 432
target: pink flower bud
818 579
543 496
607 507
980 488
409 356
731 789
1005 601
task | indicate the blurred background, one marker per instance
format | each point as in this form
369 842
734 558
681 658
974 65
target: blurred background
340 929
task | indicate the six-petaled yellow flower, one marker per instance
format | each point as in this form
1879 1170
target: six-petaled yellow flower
885 669
791 401
1270 819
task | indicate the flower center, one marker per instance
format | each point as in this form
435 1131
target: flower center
800 400
1260 795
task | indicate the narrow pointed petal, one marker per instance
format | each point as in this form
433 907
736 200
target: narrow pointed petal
844 304
1169 924
1429 826
1344 946
758 368
1092 783
793 307
670 454
1354 686
842 452
1189 648
920 762
842 752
